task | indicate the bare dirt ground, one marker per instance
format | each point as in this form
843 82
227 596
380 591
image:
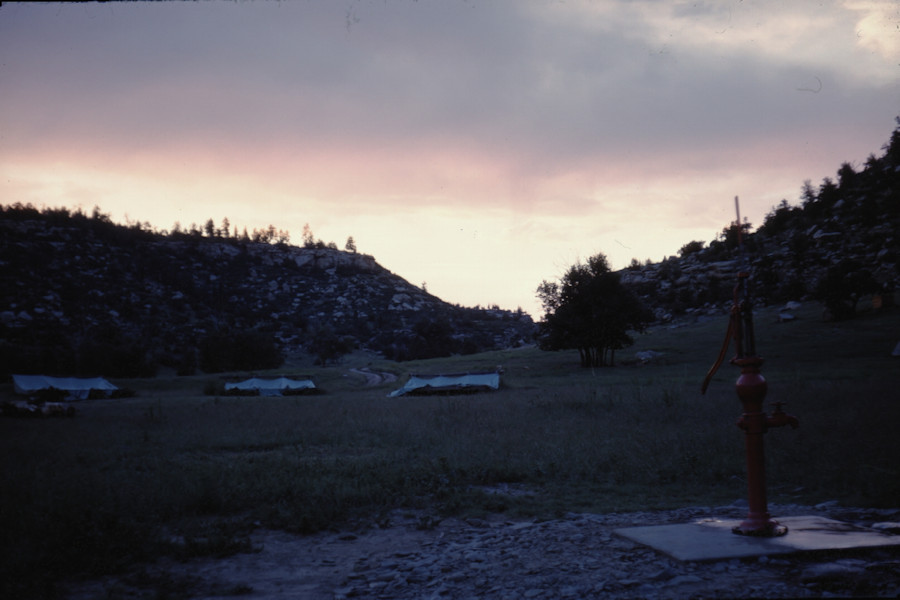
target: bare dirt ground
414 555
374 378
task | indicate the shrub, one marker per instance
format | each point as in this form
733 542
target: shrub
242 351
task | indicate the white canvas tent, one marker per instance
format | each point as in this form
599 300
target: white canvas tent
271 387
461 383
76 388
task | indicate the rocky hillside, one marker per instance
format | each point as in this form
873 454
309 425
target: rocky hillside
841 244
79 294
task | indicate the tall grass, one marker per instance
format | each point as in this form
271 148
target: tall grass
181 473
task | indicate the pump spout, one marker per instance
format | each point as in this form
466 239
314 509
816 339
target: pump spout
779 418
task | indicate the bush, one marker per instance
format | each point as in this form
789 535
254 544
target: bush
328 347
242 351
690 248
842 287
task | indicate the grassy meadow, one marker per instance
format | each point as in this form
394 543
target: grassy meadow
175 472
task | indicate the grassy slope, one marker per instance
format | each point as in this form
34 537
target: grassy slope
95 493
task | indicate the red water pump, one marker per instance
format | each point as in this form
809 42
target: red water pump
751 389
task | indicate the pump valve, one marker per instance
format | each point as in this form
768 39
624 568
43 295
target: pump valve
779 418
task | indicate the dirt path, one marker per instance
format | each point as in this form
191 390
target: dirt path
578 556
374 378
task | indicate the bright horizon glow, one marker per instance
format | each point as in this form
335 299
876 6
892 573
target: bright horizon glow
479 148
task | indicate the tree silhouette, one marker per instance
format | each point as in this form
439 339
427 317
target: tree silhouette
327 346
591 311
308 238
843 285
242 350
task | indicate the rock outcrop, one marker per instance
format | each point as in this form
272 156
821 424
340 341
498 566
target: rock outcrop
69 283
840 245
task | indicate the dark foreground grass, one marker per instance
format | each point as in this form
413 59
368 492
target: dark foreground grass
182 474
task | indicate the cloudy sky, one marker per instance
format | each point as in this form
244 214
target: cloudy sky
477 146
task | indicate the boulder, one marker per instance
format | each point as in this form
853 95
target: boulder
646 356
831 572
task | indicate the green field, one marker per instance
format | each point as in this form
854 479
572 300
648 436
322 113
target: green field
174 471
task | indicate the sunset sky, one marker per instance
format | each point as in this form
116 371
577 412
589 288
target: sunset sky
477 146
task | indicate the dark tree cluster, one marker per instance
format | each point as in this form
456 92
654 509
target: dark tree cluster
238 351
437 335
591 311
80 295
327 346
843 286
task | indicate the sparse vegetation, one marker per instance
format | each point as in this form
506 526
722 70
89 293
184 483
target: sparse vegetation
80 295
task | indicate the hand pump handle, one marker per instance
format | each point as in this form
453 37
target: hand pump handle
740 322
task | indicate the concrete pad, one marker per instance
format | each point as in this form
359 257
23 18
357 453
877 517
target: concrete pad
712 539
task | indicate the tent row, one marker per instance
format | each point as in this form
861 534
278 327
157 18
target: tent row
68 388
460 383
81 388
